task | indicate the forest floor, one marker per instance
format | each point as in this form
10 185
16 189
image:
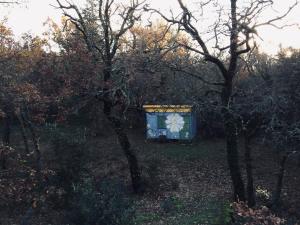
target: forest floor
187 183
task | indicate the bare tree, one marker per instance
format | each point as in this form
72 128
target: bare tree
103 25
236 29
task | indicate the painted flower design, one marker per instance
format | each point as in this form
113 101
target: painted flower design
174 122
150 131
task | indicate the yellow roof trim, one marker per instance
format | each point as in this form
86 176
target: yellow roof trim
167 106
175 110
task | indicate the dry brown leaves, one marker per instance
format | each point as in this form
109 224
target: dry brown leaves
251 216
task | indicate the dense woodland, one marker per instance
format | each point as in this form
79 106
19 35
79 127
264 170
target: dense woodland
73 148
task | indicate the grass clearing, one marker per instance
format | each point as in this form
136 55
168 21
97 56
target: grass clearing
187 183
198 150
175 211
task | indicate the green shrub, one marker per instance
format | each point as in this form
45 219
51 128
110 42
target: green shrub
105 203
70 159
171 205
207 212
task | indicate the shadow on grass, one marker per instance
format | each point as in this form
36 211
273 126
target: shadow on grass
179 212
205 150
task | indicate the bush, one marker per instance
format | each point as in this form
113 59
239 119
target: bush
70 155
86 202
104 203
171 205
71 160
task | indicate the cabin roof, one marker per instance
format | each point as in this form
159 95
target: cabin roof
168 108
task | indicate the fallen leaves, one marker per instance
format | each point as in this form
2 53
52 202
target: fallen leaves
248 216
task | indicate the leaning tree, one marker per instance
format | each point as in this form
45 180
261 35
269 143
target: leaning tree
103 24
223 42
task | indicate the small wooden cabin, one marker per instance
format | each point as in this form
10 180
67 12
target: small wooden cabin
170 121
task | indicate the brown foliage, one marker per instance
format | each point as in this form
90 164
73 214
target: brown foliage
248 216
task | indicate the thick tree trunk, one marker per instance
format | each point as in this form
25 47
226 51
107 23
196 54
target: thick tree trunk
229 120
2 158
36 145
233 156
278 188
131 158
23 133
119 129
6 129
249 171
231 142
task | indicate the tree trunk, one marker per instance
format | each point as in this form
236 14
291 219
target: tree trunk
2 158
6 129
249 171
231 141
36 145
233 156
119 130
278 188
23 133
131 158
